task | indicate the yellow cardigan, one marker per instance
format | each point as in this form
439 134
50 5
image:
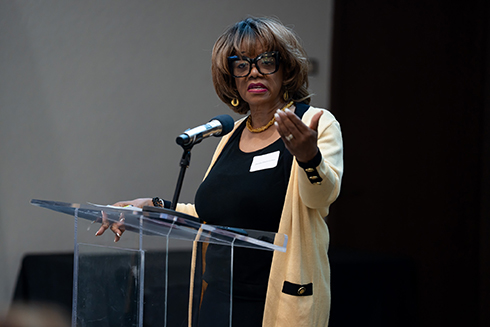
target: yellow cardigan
305 206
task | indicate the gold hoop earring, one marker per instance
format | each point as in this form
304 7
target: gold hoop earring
235 102
286 95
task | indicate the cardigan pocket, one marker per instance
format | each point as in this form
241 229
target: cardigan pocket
297 289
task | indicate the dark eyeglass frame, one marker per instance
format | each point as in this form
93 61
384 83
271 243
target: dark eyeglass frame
274 54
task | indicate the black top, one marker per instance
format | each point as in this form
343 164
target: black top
233 196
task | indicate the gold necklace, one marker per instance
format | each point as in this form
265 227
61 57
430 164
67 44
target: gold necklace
269 124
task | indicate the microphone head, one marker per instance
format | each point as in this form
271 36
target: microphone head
227 124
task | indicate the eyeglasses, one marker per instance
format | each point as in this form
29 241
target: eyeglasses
267 63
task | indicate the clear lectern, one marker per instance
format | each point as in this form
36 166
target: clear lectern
154 275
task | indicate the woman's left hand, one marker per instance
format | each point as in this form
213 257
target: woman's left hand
300 140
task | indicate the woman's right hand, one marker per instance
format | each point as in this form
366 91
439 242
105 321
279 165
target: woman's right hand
118 227
140 203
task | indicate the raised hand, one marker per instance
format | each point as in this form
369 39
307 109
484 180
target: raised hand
300 139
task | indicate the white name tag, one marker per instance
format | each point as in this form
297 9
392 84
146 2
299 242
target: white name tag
265 161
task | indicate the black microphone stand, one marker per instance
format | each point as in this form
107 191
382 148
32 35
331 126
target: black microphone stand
184 164
188 141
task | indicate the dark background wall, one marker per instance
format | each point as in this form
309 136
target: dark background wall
410 88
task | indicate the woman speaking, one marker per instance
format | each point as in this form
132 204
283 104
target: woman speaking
279 170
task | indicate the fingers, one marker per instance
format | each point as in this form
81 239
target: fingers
315 120
285 127
100 231
140 203
292 129
288 123
122 203
117 228
299 139
105 224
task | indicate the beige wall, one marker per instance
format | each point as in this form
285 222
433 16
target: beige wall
93 94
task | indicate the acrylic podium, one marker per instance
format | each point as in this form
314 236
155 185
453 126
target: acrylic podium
142 280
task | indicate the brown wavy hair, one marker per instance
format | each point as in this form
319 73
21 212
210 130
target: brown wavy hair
271 35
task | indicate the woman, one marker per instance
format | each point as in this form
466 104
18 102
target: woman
278 170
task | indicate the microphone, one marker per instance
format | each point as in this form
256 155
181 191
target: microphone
217 126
